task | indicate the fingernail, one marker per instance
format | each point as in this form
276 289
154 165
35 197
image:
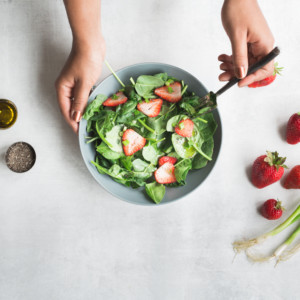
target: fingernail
241 72
76 115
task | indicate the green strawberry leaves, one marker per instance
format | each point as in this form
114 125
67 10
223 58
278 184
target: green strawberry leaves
273 159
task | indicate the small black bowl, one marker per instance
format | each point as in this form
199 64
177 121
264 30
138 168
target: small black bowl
20 157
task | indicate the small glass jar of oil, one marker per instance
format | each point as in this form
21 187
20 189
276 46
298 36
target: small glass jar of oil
8 113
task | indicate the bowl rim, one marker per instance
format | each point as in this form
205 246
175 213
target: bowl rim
149 203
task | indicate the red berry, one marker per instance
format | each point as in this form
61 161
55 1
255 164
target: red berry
165 159
150 108
165 174
267 169
271 209
171 93
267 80
292 180
293 129
115 100
132 142
262 82
185 128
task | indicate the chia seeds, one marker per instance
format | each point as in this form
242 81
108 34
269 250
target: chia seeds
20 157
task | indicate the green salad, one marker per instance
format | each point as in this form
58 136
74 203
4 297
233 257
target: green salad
150 133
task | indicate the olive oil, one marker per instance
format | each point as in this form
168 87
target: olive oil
8 114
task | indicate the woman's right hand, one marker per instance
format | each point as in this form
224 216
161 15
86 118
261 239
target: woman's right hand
250 38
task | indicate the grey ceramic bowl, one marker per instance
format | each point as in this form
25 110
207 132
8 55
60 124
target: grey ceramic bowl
138 196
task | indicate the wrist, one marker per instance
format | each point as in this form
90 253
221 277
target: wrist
89 44
239 1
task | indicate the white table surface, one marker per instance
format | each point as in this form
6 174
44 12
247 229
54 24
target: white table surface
62 236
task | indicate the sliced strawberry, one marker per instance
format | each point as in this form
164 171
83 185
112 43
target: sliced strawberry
185 128
165 159
150 108
165 174
115 100
171 93
132 142
267 80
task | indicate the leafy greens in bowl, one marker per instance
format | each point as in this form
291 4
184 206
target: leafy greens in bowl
149 134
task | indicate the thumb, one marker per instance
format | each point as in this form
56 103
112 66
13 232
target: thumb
81 94
240 56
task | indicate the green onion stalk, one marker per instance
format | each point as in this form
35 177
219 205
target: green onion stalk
113 72
184 90
282 252
146 126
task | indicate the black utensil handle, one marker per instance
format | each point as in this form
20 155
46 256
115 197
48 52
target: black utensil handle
251 70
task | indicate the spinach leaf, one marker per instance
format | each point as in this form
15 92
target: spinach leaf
162 76
113 138
89 126
130 118
155 191
182 146
123 176
188 108
94 106
142 166
106 152
207 129
131 94
127 107
146 83
151 153
196 141
173 122
181 170
174 154
191 100
168 110
158 124
203 110
199 161
126 162
167 145
103 125
115 171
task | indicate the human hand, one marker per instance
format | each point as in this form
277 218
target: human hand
251 39
80 73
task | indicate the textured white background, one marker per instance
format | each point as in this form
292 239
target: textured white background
63 237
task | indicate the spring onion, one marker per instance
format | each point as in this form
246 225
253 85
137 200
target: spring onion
184 90
282 252
113 72
132 81
146 126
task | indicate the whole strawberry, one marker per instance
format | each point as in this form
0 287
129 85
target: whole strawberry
272 209
292 180
267 80
267 169
293 129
